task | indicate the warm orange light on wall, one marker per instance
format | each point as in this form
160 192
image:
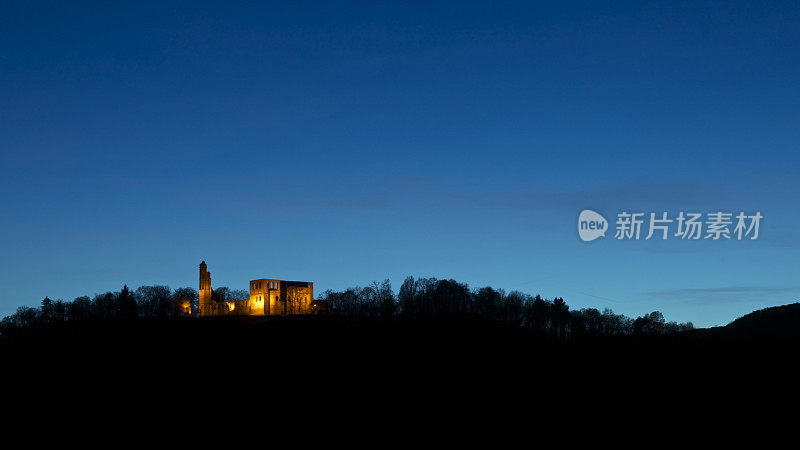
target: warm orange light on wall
231 306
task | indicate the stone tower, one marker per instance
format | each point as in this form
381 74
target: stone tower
205 290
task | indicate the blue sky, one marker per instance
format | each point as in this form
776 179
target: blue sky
347 142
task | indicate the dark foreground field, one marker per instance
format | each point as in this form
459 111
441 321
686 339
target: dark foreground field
422 370
419 350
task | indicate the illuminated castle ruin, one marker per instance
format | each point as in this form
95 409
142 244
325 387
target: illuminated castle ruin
268 297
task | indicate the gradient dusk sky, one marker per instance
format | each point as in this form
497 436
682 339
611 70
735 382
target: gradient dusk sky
347 142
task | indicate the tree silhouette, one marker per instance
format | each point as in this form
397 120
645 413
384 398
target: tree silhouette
127 303
421 297
47 310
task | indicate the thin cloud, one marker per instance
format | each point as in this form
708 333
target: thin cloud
729 294
725 290
685 194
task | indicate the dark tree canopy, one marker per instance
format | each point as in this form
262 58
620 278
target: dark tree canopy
421 297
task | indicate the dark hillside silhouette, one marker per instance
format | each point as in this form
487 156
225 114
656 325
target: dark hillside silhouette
775 321
417 298
775 324
429 328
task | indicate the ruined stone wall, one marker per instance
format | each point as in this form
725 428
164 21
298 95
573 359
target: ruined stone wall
267 297
205 293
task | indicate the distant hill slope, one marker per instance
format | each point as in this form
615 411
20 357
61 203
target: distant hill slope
777 321
774 325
